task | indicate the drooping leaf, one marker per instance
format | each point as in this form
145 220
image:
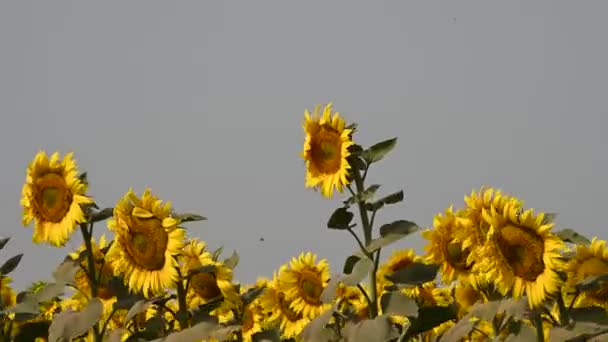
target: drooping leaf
232 261
356 162
457 332
66 272
350 263
592 283
4 241
377 151
520 332
188 217
316 330
139 307
400 227
102 215
365 195
396 303
10 264
252 294
340 219
69 324
360 270
571 236
216 254
269 335
430 317
414 274
380 242
590 314
390 199
379 329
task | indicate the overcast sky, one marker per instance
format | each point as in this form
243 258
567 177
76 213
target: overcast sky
203 102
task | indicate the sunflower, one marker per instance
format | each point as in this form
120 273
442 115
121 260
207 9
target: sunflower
589 260
466 296
353 298
252 314
326 150
8 297
446 246
278 309
52 196
147 239
303 283
211 284
521 254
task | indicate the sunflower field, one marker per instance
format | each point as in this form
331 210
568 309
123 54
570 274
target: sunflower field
493 270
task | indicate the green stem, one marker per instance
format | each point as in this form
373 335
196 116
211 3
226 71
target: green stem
563 312
182 315
87 234
540 336
367 234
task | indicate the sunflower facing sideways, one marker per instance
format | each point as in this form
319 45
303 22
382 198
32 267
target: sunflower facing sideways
521 254
52 196
590 260
325 150
146 239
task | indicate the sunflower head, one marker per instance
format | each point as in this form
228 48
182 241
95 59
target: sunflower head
8 297
53 196
278 309
450 245
326 150
521 255
303 283
589 260
399 259
147 239
102 268
485 200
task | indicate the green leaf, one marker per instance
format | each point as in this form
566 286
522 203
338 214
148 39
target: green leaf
349 263
376 152
4 241
356 162
389 238
365 195
461 329
188 217
549 218
66 272
340 219
269 335
400 227
414 274
430 317
592 283
396 303
10 265
589 314
216 254
378 329
102 215
390 199
316 330
69 324
520 332
360 270
232 261
252 294
202 269
83 178
571 236
581 331
200 331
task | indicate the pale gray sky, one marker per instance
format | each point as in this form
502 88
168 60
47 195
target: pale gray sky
203 102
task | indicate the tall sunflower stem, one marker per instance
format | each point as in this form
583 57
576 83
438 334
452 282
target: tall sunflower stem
540 336
563 311
367 234
87 234
182 314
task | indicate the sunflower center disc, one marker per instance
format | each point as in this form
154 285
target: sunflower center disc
311 288
205 285
54 198
326 150
523 250
147 243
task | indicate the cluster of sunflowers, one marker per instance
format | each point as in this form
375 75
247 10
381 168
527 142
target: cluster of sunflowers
493 270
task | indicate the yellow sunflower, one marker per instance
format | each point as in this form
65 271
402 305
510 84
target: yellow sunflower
446 247
521 254
303 283
147 239
353 299
207 286
466 296
279 311
81 280
52 196
325 150
252 313
8 297
589 260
